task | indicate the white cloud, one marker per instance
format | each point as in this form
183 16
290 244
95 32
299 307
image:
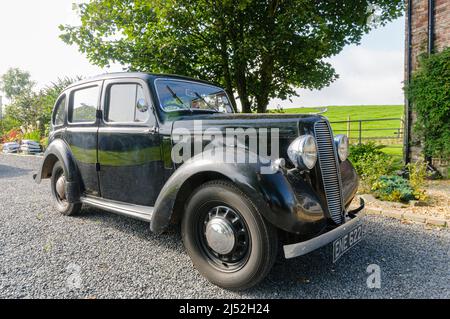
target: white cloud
366 76
32 42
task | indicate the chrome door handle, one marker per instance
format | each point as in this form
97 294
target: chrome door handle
153 130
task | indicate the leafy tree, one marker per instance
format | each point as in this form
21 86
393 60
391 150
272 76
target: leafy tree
16 82
29 107
47 96
260 49
24 109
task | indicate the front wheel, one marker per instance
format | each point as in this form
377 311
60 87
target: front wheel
228 240
58 185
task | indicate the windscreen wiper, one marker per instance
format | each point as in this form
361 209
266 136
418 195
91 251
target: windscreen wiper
203 99
176 97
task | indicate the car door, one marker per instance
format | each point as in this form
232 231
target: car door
81 132
129 148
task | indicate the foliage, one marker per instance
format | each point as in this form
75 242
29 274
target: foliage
429 92
393 188
417 176
375 168
257 49
371 167
13 135
44 142
24 109
33 136
358 151
30 108
370 163
84 113
8 123
48 96
16 82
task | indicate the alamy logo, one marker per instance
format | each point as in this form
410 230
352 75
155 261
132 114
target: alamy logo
232 145
74 280
374 279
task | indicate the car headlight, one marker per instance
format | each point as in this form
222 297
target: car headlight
341 142
303 152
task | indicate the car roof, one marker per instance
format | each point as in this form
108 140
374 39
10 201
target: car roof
139 75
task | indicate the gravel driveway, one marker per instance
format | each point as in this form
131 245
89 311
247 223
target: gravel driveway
101 255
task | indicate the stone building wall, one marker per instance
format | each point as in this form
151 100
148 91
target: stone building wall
419 45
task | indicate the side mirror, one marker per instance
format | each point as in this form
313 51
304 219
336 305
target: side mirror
142 105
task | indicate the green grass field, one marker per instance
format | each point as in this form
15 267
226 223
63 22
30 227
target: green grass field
382 132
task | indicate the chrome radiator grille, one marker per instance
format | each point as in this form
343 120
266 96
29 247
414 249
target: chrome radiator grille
329 170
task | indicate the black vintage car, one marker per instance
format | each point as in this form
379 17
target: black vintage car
112 146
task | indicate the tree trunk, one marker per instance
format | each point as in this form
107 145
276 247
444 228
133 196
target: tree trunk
232 99
266 78
226 71
241 85
240 68
225 61
262 101
267 65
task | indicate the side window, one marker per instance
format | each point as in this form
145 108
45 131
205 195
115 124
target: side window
58 113
122 102
84 105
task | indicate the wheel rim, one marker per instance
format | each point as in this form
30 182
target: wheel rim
224 238
60 189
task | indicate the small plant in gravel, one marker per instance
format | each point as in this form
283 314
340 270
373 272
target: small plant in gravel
48 247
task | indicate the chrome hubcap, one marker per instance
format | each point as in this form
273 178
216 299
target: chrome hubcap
60 187
220 235
224 238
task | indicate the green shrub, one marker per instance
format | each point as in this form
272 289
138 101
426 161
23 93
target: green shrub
393 188
357 151
33 136
429 92
370 163
417 177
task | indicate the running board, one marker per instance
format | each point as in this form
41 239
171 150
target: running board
144 213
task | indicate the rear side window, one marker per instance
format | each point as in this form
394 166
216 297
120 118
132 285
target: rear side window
58 113
122 104
84 105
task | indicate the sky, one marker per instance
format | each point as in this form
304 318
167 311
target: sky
370 73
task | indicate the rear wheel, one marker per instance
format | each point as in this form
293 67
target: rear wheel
58 185
228 240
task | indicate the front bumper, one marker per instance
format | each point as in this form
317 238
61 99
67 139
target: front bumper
302 248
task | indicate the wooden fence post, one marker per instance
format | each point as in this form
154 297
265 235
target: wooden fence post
348 127
360 132
402 127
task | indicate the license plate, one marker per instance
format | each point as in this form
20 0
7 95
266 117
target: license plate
343 244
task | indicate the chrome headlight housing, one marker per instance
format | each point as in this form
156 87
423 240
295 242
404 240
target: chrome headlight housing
341 142
303 152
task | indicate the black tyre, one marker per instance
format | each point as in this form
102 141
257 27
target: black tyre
59 192
228 240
